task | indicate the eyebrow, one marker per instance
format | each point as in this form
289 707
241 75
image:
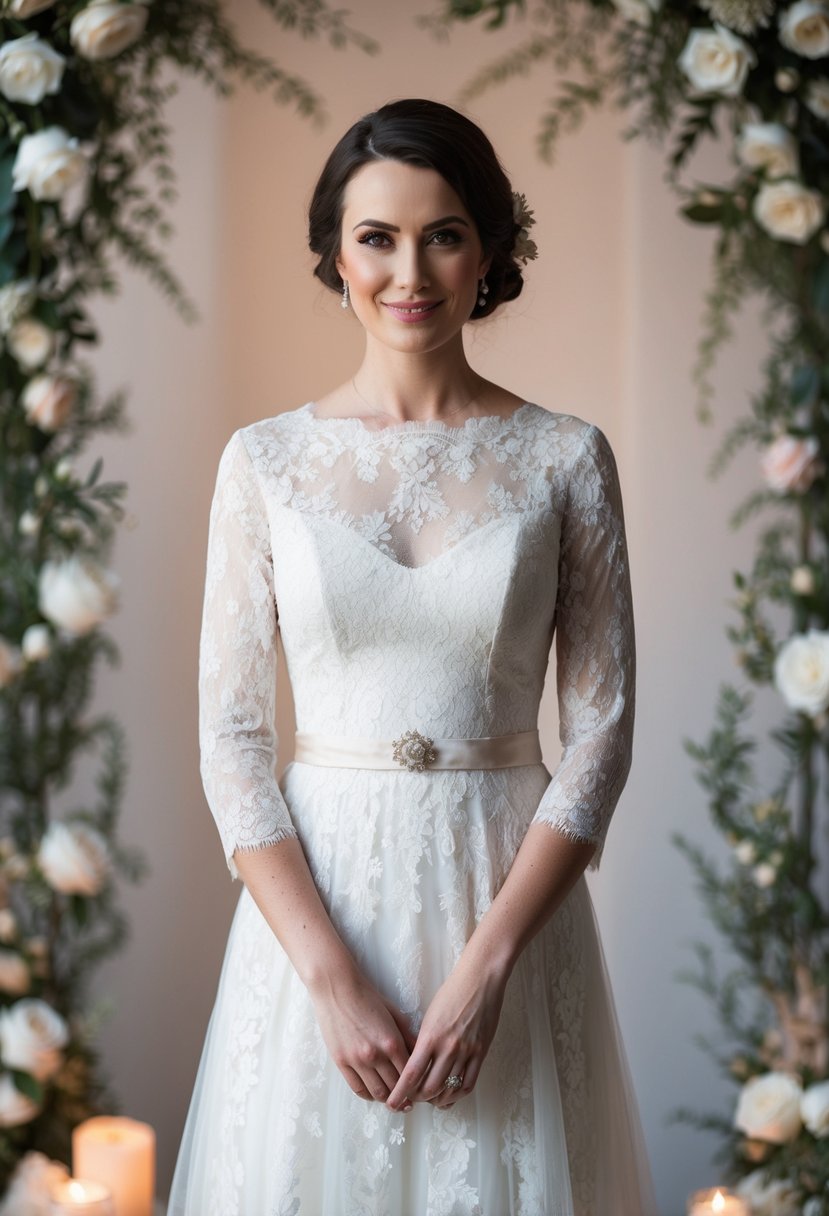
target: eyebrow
447 219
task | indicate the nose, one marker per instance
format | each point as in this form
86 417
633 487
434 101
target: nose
411 273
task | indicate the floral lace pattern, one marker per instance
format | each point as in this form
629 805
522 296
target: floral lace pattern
418 576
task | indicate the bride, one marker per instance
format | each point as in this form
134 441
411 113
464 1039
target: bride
414 1016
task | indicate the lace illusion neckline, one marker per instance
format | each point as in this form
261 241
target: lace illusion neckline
418 426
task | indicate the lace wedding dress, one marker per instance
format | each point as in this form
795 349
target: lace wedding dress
418 574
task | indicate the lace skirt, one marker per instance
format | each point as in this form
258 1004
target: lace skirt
406 864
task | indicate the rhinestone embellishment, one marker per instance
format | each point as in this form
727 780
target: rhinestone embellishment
414 751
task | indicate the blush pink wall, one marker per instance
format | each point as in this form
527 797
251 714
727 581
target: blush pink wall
605 329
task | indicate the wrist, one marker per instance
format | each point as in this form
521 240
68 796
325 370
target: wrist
324 974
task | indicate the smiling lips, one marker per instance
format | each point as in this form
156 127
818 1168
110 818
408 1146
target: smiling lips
414 312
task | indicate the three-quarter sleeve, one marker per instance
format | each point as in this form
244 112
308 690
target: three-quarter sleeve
595 652
237 664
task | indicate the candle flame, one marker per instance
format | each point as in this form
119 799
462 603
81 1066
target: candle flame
77 1190
718 1202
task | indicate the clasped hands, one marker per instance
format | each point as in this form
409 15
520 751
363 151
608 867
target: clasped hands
382 1059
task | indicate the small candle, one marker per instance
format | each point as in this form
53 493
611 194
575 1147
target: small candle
80 1197
718 1201
120 1153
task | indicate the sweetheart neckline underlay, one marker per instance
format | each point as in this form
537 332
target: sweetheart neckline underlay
415 425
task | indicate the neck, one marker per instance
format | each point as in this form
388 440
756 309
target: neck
411 387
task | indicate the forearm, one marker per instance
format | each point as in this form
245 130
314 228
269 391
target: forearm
283 889
546 867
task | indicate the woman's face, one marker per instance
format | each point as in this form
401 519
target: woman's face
407 240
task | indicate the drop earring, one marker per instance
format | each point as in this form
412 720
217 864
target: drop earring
484 290
344 300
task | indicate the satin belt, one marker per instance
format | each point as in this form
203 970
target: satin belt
493 751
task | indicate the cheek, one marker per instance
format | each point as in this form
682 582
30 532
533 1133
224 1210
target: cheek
364 274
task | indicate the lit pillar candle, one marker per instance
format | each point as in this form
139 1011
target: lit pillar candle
79 1197
120 1153
718 1201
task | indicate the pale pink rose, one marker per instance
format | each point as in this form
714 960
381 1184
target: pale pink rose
30 1186
790 464
15 976
48 401
74 858
31 342
28 8
15 1107
11 661
76 593
789 211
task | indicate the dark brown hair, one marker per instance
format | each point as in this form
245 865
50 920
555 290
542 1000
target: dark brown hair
433 136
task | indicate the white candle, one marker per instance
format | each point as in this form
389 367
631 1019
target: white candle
718 1201
120 1153
80 1197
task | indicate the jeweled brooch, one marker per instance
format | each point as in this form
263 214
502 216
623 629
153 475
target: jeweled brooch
414 751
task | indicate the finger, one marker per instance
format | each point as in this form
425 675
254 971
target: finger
405 1028
355 1082
433 1081
448 1096
407 1084
470 1076
377 1087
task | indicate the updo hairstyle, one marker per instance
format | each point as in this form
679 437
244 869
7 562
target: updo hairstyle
431 135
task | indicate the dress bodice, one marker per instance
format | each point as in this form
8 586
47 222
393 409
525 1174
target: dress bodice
417 575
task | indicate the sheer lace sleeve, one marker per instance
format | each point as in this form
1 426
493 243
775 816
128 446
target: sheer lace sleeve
237 665
595 652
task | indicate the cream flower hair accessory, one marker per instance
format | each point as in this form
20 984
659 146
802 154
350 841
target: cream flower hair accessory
525 248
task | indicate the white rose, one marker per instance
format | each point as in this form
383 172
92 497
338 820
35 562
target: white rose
11 661
786 79
768 145
15 299
778 1198
802 581
816 97
717 61
769 1108
801 671
15 1107
30 1186
76 593
29 524
32 1037
64 467
8 925
27 8
637 10
74 858
105 28
31 342
48 401
791 464
788 210
764 874
48 164
36 643
804 28
29 69
14 973
745 852
814 1109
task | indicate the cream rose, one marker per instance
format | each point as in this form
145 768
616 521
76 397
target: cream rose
791 464
27 8
769 1108
76 593
48 401
769 146
29 69
32 1037
778 1198
802 581
74 858
745 852
804 28
717 61
765 874
15 976
11 661
801 671
15 299
15 1107
36 643
48 164
789 210
816 97
639 11
814 1109
31 342
104 28
30 1186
